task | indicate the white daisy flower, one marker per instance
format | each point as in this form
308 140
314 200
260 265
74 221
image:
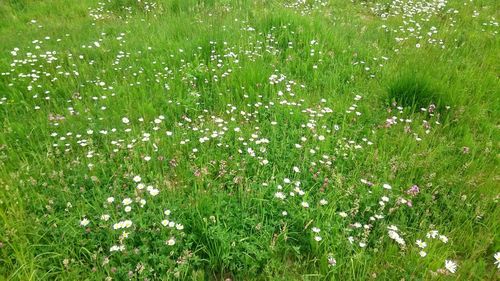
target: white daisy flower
84 222
171 241
451 266
497 259
421 244
443 238
154 192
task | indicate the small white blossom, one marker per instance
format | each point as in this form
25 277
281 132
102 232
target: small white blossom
117 248
443 238
171 241
154 192
451 266
84 222
332 261
280 195
421 244
497 259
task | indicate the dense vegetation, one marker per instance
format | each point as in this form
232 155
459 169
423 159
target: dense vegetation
249 140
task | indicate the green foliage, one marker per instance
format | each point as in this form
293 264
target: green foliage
413 90
248 140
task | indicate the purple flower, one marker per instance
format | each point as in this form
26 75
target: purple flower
414 190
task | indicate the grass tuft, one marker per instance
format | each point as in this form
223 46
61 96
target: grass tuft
414 90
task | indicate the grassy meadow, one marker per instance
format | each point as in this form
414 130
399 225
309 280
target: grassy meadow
249 140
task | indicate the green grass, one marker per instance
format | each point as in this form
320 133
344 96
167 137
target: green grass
229 103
